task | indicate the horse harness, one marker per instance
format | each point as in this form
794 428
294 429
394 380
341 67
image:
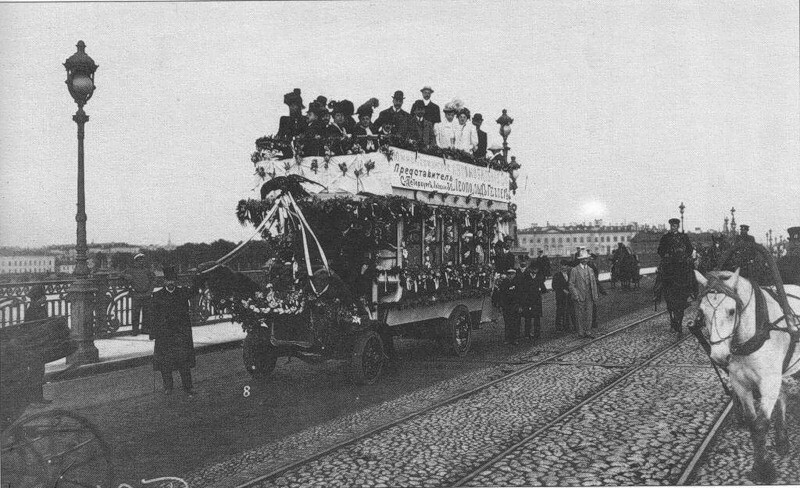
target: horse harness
763 324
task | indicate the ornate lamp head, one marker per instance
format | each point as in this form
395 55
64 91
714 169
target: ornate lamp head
80 75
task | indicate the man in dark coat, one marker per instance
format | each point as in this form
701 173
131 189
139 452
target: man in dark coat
676 272
530 288
172 331
543 263
419 130
36 310
394 119
507 301
295 123
432 112
480 151
561 289
503 258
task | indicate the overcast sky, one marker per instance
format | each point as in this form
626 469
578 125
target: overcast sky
622 109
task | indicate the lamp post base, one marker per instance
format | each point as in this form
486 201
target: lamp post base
81 298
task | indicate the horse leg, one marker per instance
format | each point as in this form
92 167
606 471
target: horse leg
763 468
781 436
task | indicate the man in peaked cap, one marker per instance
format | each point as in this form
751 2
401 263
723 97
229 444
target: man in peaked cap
676 272
294 124
172 331
432 112
394 119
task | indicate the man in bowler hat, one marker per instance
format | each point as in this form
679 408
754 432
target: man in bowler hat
394 119
480 152
172 331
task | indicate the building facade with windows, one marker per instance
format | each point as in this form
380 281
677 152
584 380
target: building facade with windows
27 264
563 240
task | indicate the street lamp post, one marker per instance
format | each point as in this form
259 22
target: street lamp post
505 129
733 221
80 83
682 207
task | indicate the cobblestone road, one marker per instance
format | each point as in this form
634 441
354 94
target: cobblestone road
730 457
437 448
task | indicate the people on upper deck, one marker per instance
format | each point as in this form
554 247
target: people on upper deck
432 112
295 123
480 151
445 130
394 119
419 130
365 128
466 134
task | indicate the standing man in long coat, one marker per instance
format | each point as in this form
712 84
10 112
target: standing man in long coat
507 301
676 270
561 289
584 290
530 288
36 310
172 331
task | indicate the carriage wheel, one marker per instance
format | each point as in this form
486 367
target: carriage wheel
55 448
458 331
367 359
259 355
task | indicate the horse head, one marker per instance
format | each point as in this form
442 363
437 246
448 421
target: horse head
723 301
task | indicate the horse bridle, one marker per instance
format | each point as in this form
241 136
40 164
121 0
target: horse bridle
717 286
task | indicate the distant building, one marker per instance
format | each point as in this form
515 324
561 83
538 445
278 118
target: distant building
646 241
563 240
31 263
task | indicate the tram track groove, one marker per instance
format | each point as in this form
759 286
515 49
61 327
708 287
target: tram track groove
277 472
690 468
635 369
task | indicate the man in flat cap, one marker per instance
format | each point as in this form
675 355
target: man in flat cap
676 272
480 151
420 130
394 119
432 112
295 123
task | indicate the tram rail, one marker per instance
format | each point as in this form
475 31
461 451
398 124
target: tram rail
277 472
531 437
690 468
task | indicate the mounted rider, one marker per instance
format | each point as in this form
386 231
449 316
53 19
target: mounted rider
675 270
757 265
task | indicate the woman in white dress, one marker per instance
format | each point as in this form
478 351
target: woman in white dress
445 130
466 134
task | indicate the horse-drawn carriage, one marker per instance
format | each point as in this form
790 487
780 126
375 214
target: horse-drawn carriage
625 270
52 447
367 247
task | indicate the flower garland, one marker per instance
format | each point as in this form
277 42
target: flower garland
268 147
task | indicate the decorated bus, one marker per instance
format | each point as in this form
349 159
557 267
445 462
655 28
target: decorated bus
366 247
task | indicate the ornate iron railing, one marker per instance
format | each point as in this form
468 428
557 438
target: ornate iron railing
113 304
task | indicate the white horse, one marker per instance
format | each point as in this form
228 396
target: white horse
728 303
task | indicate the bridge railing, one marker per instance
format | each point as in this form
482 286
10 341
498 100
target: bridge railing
113 305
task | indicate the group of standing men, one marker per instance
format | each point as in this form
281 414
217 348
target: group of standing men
519 294
423 127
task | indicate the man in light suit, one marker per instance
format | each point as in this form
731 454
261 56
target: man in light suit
585 293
